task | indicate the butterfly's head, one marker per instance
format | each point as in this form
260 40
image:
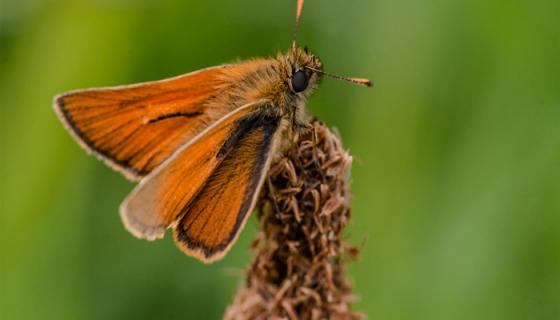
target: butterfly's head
303 69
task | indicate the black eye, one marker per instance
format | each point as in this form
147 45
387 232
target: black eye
300 81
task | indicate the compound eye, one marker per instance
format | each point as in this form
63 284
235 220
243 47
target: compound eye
300 81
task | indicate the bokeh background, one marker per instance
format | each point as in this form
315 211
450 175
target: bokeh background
456 180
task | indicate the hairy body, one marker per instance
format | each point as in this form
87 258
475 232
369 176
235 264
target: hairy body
269 80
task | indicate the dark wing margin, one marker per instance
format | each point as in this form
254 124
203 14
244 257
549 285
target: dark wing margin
212 221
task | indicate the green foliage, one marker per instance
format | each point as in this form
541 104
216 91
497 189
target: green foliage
457 148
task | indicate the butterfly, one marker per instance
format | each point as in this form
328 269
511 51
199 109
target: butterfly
199 144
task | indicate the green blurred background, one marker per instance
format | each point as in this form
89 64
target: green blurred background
456 180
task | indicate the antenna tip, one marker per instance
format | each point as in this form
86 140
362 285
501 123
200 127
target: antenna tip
299 10
368 83
364 82
360 81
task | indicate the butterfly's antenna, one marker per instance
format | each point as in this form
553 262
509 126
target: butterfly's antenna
360 81
296 25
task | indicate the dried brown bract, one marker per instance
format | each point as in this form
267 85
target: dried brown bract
298 270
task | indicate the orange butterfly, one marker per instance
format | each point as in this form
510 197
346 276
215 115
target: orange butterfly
200 144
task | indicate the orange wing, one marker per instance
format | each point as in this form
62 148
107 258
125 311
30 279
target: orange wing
164 196
135 128
212 221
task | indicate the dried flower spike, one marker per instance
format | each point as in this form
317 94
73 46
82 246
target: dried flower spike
298 270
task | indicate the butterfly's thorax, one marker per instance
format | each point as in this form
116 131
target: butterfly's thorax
268 80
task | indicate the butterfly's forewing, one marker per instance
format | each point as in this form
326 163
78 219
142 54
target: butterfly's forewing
213 220
163 196
135 128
